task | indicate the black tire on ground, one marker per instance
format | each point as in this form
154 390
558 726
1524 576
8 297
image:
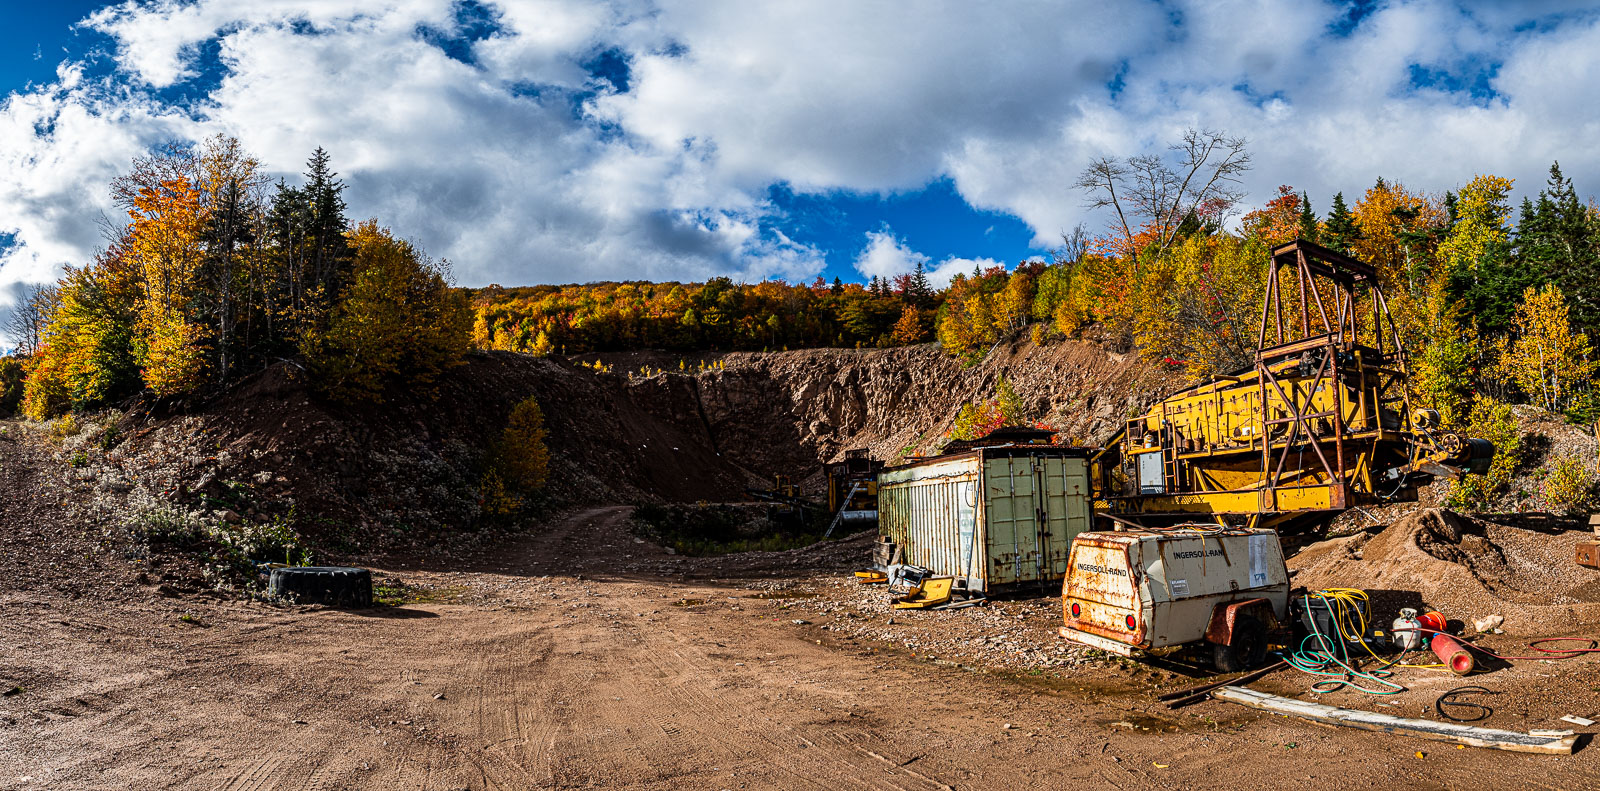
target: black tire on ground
1248 650
336 585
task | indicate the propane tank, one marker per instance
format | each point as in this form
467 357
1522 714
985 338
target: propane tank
1404 632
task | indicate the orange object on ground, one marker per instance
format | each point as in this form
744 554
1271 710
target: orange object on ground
1432 621
1452 654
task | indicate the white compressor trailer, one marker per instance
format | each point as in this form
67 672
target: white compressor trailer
1151 589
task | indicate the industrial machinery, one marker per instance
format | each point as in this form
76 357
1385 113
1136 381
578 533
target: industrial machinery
1225 588
853 486
1320 423
787 506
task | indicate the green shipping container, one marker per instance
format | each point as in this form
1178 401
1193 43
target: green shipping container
994 518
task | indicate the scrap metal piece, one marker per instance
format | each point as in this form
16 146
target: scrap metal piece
933 590
1385 723
1589 554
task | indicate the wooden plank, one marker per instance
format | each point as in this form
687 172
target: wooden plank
1385 723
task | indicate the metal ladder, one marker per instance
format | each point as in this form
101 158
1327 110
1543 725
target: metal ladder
843 506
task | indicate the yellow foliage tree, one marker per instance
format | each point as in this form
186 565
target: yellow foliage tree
164 243
86 356
909 328
518 463
1393 222
397 317
1548 359
1198 306
1481 213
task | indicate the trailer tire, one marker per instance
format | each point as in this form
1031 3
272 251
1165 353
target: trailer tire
1248 649
341 586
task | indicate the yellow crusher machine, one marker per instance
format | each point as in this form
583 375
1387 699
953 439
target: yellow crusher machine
1322 422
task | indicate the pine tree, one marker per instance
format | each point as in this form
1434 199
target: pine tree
1308 219
1557 239
1340 230
921 291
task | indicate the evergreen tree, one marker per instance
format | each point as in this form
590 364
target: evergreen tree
921 291
1557 239
1340 229
326 224
1308 219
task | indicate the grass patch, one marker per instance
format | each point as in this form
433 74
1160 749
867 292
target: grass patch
394 593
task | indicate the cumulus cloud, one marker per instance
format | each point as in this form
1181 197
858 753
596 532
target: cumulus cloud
886 255
559 140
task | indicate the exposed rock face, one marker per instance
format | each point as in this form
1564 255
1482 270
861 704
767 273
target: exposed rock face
790 411
406 470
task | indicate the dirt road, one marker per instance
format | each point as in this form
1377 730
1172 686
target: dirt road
580 658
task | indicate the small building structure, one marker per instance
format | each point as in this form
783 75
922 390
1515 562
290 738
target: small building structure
995 517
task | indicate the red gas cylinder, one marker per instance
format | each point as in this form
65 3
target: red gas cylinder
1452 654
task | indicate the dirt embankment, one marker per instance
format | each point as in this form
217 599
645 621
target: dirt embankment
404 475
787 412
1465 567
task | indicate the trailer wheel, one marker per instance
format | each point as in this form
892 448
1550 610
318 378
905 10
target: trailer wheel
1248 649
335 585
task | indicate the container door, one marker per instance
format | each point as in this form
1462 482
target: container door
1010 521
1063 504
967 529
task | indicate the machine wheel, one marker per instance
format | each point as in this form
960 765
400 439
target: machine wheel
1248 650
337 585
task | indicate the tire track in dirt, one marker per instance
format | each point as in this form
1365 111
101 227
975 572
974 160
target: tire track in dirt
589 679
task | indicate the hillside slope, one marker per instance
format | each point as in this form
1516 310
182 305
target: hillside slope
403 475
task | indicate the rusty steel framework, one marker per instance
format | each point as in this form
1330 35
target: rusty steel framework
1322 421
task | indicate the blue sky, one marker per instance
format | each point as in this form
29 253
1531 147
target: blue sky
36 37
535 141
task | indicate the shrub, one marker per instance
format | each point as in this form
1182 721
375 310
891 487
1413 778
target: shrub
65 426
1569 489
1494 421
518 462
12 375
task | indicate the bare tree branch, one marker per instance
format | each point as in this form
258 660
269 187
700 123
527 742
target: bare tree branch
27 321
1204 180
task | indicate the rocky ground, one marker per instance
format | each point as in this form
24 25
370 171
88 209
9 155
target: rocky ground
579 658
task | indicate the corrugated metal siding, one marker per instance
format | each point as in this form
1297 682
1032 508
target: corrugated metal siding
931 511
1019 530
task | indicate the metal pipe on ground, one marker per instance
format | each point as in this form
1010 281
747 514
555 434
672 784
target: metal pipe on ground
1452 654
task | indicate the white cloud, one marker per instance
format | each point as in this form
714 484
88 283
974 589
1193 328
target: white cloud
886 256
520 166
941 274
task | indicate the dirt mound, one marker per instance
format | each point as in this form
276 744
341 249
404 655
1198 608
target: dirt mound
1464 567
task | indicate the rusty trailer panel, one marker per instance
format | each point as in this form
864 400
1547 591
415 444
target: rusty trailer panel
1158 589
1102 593
993 517
1588 554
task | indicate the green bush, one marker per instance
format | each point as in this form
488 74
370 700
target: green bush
1569 489
1494 421
12 376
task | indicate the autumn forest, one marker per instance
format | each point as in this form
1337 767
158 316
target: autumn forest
220 272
